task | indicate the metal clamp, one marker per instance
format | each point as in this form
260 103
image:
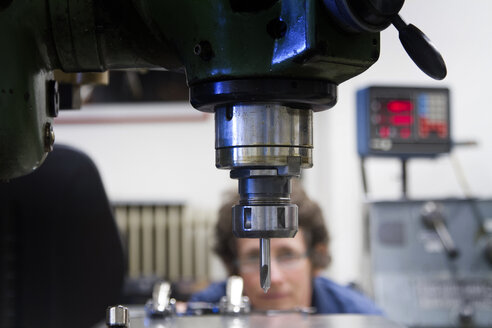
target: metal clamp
117 316
161 304
234 302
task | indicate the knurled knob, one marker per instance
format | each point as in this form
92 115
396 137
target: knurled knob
117 316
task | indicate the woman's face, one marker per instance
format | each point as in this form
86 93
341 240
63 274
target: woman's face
290 271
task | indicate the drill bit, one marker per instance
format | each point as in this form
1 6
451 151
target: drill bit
265 264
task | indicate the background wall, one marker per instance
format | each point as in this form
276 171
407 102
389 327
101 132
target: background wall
175 161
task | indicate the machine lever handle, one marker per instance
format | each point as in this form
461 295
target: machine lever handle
446 239
433 218
376 15
420 49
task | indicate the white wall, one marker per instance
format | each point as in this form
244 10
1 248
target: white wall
461 33
170 162
175 161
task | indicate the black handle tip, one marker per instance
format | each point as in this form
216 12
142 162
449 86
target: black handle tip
420 49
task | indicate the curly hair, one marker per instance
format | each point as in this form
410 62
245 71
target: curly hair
311 222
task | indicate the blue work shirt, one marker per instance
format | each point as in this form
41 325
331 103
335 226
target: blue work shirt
328 298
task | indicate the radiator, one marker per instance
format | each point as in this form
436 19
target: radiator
172 242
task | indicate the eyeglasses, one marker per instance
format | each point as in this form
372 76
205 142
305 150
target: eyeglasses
286 261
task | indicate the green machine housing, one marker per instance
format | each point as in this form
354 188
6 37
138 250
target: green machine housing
292 53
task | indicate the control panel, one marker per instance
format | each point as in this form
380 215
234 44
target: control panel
403 121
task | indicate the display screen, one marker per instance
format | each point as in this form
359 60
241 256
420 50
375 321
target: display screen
403 120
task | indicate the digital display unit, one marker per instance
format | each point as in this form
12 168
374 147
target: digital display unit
403 121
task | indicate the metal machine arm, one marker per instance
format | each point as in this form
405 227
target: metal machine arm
263 67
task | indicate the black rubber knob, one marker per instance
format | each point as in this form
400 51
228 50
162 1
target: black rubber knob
420 49
359 16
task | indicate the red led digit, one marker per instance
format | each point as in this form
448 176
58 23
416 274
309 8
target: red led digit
402 120
397 106
384 131
405 133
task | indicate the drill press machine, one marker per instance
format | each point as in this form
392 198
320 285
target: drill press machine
262 66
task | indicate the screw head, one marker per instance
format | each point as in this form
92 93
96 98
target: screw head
49 137
117 316
204 50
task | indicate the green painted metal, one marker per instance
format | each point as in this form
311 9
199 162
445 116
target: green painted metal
208 38
73 27
92 36
242 47
23 75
